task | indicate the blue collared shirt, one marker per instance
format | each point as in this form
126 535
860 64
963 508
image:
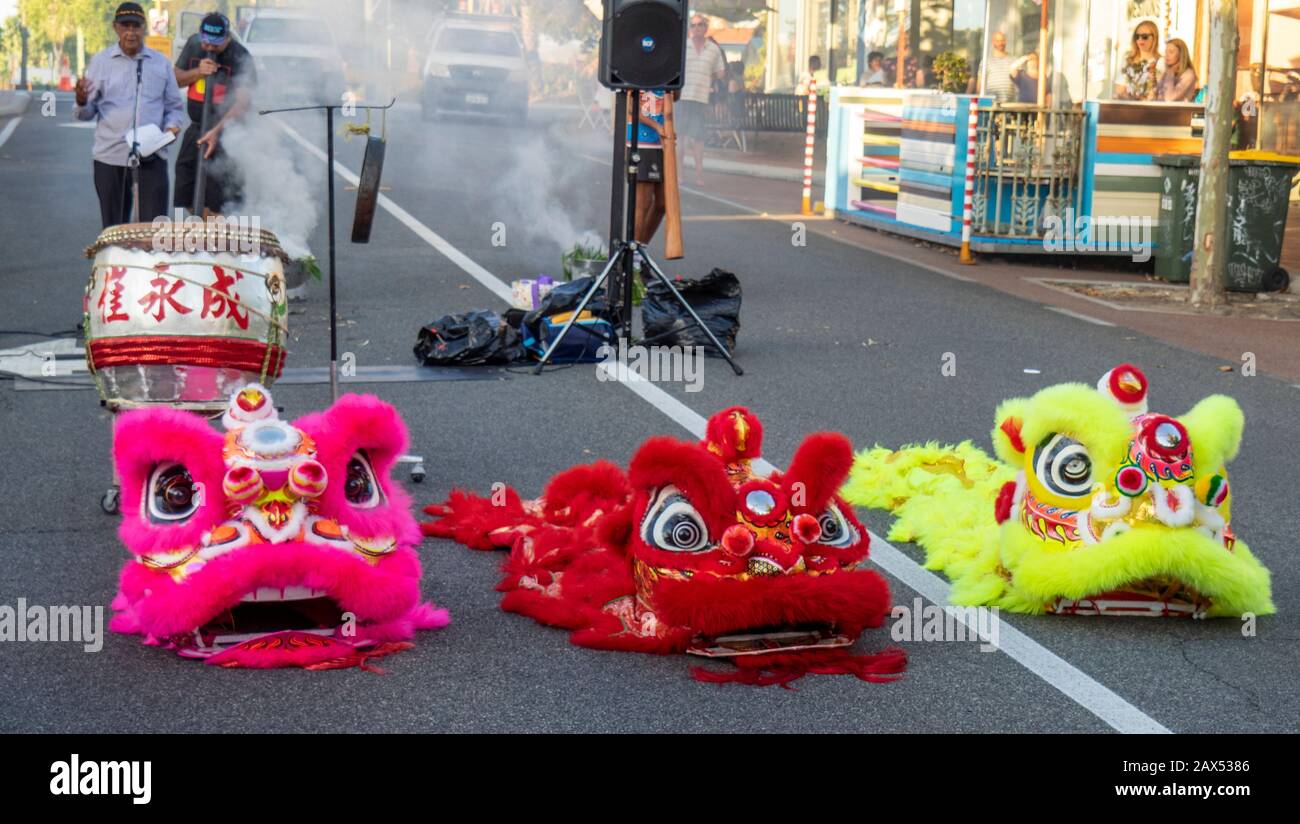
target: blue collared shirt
112 102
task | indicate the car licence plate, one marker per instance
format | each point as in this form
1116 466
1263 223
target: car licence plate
476 99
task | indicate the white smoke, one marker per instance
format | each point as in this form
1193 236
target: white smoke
281 185
530 195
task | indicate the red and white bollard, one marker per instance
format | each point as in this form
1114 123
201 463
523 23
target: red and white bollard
972 136
809 144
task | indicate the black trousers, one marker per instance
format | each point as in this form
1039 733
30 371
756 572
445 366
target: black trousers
218 189
113 185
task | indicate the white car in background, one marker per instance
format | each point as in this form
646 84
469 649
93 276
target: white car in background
476 64
296 55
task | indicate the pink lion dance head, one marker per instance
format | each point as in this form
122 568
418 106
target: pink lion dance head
273 545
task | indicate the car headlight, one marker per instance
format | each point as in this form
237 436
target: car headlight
437 70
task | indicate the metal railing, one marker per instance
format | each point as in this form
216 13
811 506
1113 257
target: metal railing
1028 162
754 112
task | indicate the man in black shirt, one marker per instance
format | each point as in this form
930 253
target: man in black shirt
211 55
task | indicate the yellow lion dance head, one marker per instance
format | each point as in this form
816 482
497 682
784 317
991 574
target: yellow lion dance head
1097 507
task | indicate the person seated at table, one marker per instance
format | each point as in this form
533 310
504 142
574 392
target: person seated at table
1138 77
1178 83
875 71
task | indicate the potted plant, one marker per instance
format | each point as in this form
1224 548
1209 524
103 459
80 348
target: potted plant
953 72
585 258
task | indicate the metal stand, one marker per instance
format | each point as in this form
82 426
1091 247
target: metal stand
417 462
111 501
200 168
133 159
624 248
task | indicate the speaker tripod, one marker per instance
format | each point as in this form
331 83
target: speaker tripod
623 249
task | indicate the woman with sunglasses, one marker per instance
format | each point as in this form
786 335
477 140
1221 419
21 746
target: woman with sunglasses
1138 78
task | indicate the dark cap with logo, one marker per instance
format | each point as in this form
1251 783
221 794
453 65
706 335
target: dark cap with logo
129 13
214 29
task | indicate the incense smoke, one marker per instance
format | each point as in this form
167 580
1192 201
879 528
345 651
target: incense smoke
282 185
530 196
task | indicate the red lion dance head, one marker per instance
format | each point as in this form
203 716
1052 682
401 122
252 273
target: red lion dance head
694 550
272 545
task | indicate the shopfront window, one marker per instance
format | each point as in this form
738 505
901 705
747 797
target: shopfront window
1126 50
933 27
842 59
831 33
1279 108
783 46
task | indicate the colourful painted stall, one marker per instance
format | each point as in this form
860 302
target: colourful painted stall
1124 181
896 161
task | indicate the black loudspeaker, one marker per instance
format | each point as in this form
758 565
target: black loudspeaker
643 44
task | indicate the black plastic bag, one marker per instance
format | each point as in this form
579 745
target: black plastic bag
565 297
469 339
715 298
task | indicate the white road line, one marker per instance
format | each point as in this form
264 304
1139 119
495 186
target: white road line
9 129
1078 315
483 276
1051 668
938 270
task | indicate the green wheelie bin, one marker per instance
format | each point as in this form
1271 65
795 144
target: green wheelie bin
1259 189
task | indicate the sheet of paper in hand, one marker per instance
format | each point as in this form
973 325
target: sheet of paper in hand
152 138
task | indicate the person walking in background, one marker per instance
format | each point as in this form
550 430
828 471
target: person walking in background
1178 83
1138 78
650 203
997 71
705 63
108 95
211 55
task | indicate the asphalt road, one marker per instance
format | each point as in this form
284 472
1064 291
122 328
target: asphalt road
833 338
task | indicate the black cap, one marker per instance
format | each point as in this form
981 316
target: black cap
214 29
129 13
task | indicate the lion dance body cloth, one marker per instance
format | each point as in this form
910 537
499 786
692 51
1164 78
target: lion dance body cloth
694 551
1097 507
272 545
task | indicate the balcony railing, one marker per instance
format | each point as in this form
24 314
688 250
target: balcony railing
1027 169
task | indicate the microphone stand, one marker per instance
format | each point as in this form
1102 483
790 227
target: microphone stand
133 159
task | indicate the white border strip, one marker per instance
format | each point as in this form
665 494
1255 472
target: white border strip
1077 315
9 129
1052 669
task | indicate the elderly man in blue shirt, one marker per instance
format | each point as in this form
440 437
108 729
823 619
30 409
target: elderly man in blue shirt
129 83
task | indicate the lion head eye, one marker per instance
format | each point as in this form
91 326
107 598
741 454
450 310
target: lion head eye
1064 466
172 495
836 530
359 485
672 524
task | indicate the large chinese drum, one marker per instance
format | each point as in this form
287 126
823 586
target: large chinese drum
183 314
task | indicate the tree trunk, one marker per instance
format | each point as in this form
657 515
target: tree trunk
1212 240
